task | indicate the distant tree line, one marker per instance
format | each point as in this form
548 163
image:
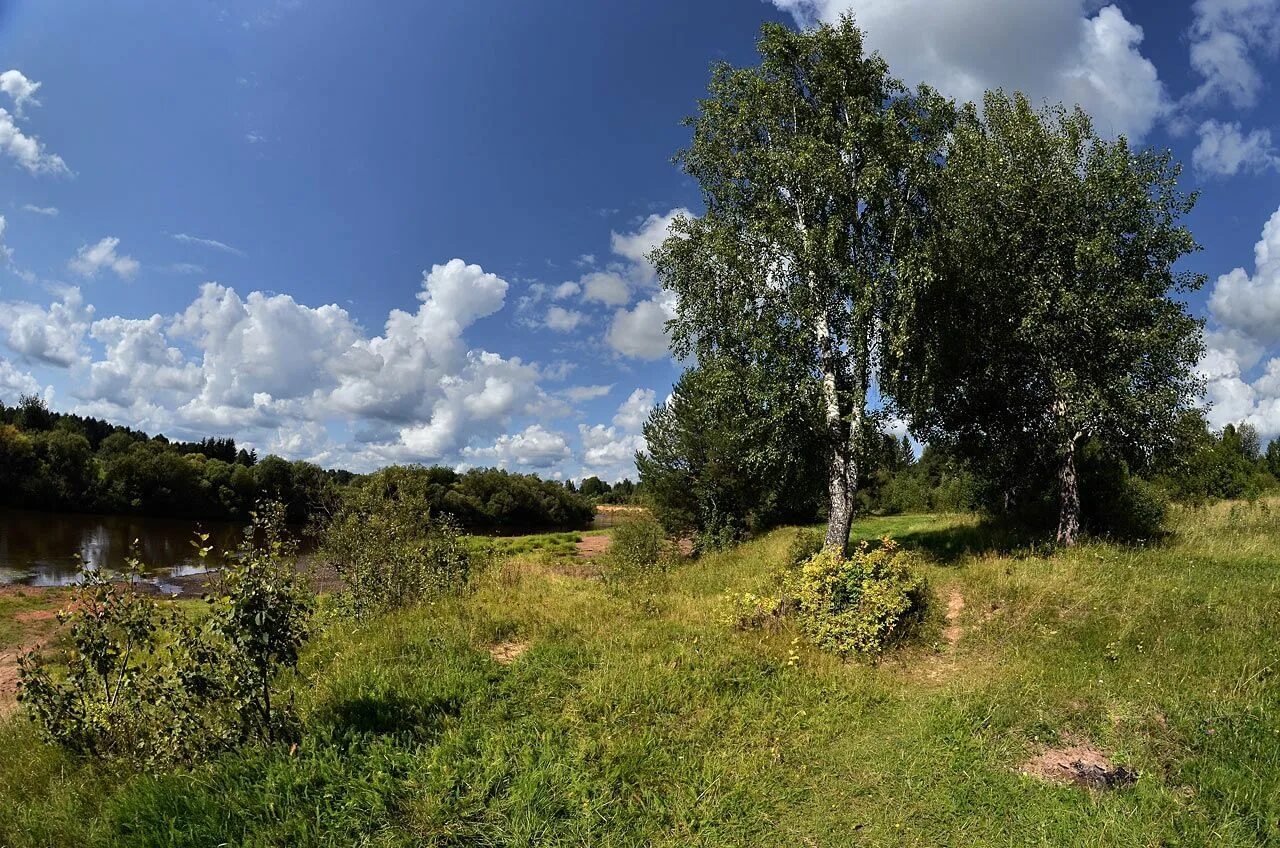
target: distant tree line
482 498
603 492
70 463
63 462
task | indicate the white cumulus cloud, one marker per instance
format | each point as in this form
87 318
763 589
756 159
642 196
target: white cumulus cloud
641 332
563 320
14 383
1226 150
1251 303
22 90
92 258
1245 325
535 447
53 335
1054 50
1225 36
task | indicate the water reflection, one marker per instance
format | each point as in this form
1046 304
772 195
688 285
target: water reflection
46 549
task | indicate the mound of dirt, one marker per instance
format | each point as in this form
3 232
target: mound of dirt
1080 765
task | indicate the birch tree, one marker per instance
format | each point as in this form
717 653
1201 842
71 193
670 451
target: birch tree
814 168
1044 311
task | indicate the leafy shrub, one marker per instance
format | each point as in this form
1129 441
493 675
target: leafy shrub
261 616
718 532
1118 503
806 542
145 684
114 698
391 551
639 548
750 611
861 604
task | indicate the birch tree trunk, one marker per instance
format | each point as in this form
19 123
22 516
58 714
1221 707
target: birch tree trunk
1068 497
842 466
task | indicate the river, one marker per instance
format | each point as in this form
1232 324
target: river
47 548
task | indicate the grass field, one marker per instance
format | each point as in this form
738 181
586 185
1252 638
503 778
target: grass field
631 718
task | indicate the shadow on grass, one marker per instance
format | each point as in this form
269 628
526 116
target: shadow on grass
388 714
949 545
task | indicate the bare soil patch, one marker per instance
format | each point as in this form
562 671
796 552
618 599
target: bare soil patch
9 666
505 653
1080 765
35 615
590 547
955 606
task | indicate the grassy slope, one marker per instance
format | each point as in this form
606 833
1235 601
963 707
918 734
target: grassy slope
637 719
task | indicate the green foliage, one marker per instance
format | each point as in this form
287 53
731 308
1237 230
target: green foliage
861 604
261 613
799 252
1118 503
116 698
639 549
144 683
804 545
937 482
1202 465
483 498
56 461
735 451
750 611
389 548
1055 251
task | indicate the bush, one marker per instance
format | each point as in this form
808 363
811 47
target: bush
861 604
806 542
391 551
260 619
143 683
639 548
1117 503
750 611
115 699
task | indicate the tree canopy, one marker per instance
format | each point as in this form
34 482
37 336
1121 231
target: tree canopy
814 168
1044 312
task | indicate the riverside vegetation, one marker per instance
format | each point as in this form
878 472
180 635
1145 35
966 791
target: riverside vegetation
636 715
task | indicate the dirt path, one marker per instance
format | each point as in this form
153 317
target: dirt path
35 631
955 605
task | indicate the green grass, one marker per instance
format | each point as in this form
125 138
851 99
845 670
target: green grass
17 601
639 719
556 545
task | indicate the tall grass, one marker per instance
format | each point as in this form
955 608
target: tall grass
628 723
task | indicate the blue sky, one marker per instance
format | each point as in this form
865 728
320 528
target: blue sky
405 231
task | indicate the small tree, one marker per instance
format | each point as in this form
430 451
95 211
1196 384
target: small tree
147 684
388 547
815 168
736 449
263 613
1042 314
